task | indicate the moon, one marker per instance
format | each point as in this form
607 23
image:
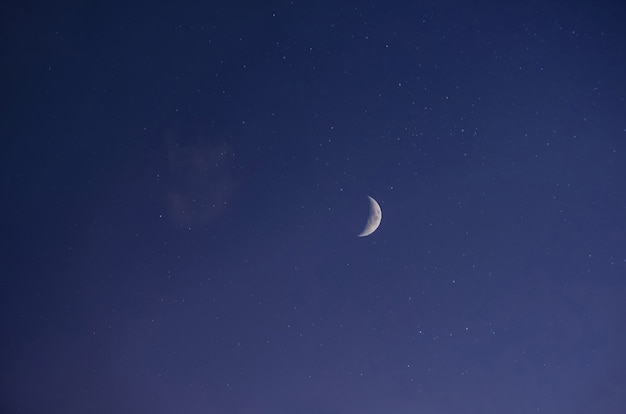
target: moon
373 221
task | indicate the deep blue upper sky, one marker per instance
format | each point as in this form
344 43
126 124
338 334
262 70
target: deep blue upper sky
182 185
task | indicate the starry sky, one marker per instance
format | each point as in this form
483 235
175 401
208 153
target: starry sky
183 183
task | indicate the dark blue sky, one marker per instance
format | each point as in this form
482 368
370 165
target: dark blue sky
182 185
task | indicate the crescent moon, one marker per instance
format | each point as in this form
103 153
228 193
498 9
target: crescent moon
373 221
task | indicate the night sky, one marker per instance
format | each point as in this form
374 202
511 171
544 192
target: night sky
183 185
